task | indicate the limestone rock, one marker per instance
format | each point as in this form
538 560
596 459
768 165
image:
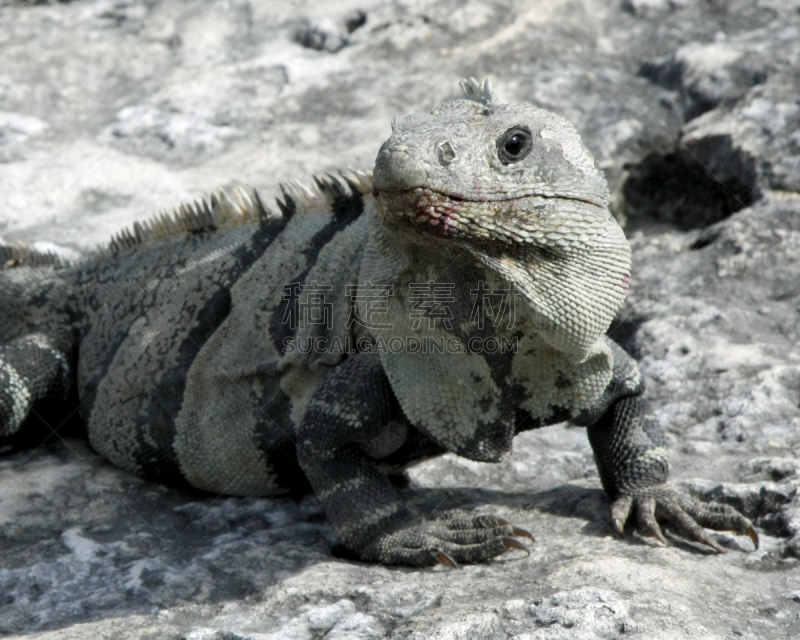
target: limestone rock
113 109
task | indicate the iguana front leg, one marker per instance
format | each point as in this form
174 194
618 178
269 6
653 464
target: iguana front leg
630 451
352 420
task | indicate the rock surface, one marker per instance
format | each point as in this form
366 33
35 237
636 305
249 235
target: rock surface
112 109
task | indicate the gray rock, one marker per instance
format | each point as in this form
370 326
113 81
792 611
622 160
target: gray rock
329 34
738 96
110 110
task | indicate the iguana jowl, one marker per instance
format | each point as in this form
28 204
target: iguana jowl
181 344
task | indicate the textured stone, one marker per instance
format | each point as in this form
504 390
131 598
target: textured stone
111 110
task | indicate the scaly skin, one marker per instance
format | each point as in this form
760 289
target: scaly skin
179 346
454 204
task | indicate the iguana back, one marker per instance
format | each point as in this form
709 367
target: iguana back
172 337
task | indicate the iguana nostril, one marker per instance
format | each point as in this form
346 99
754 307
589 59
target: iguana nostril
445 151
397 170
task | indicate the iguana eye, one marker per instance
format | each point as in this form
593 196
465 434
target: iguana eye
514 145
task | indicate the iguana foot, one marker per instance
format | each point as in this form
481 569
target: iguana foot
683 514
450 540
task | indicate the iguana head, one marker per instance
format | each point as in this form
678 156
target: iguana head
515 186
475 171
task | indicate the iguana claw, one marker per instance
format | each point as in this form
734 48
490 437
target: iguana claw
502 522
443 558
683 514
655 531
452 539
751 533
513 543
523 533
620 511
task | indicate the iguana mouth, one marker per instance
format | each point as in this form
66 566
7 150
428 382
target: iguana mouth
484 196
448 215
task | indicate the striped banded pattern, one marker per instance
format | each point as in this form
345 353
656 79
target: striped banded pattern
181 360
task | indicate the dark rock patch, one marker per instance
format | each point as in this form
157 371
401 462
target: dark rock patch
693 187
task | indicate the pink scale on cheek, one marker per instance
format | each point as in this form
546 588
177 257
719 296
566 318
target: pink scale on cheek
436 211
626 281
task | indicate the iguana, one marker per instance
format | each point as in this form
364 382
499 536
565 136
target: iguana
454 297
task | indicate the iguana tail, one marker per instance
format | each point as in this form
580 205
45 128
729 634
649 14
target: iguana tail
38 334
